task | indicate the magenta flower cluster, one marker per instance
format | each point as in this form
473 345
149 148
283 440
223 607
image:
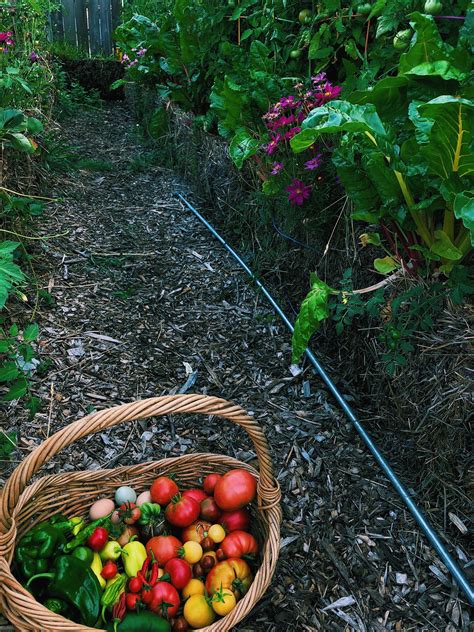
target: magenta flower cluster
6 40
283 120
129 63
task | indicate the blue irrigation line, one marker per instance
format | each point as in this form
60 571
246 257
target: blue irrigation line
427 529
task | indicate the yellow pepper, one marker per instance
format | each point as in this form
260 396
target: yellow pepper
79 524
96 567
111 551
133 556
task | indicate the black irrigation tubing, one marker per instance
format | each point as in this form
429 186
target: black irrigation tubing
425 526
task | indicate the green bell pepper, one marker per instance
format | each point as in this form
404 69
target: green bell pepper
73 582
140 622
84 553
36 550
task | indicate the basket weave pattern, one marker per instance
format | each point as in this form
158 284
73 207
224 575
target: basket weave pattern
22 504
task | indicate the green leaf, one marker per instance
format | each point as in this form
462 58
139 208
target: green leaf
388 95
449 134
118 83
17 390
258 56
314 309
430 56
8 372
158 124
8 442
34 126
444 247
386 24
242 146
20 142
31 332
464 210
386 265
6 247
377 9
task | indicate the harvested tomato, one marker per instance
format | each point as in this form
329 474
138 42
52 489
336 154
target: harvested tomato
194 587
182 511
162 490
196 531
210 482
180 625
131 601
197 612
163 547
232 574
208 544
98 539
210 510
235 489
207 562
196 494
109 570
130 513
217 533
223 602
191 552
135 584
165 600
235 520
239 543
180 572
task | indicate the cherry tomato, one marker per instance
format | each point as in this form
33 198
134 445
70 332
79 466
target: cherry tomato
130 513
196 494
235 489
197 612
98 539
239 543
209 510
207 562
109 570
180 625
196 531
180 572
223 602
220 555
191 552
163 547
208 544
135 584
164 599
193 587
210 482
198 570
216 533
162 490
235 520
182 511
131 600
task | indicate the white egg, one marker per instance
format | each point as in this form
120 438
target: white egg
144 497
125 494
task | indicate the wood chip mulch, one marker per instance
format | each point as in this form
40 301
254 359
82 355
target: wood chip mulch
147 303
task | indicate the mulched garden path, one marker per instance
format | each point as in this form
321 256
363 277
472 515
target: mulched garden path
143 300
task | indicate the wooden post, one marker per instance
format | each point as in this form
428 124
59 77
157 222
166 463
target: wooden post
69 22
94 26
116 10
106 26
81 26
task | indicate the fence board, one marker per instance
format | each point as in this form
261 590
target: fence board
69 22
106 26
94 27
57 27
81 25
116 9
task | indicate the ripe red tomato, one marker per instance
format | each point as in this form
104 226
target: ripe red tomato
131 601
163 547
235 520
196 494
210 511
238 544
235 489
182 511
196 532
180 572
164 599
162 490
210 482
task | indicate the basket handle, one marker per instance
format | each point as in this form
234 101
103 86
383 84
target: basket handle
154 407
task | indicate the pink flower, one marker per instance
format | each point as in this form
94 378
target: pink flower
273 144
329 91
292 132
314 163
298 192
287 102
33 57
321 76
141 52
277 167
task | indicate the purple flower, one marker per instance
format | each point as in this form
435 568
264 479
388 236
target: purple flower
321 76
33 57
141 52
277 167
328 91
287 102
273 144
298 192
125 58
292 132
314 163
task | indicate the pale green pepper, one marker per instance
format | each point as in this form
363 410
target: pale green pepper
133 556
111 551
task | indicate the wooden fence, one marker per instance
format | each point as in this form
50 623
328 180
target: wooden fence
86 24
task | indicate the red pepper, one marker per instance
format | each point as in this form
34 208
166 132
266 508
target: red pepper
109 570
153 574
142 573
120 608
98 539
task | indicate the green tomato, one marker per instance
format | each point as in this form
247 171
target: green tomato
365 9
295 54
392 344
402 39
304 16
395 334
433 7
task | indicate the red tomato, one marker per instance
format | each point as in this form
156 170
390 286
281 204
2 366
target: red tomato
196 494
162 490
238 544
196 531
210 511
235 520
163 547
235 489
131 601
98 539
164 599
182 511
180 572
210 482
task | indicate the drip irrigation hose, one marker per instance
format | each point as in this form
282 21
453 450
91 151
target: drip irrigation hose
425 526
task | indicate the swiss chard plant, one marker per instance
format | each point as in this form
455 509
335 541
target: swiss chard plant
404 155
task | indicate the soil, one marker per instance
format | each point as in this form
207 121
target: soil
146 303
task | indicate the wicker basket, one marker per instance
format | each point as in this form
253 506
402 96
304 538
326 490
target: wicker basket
24 505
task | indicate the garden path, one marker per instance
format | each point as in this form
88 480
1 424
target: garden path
143 300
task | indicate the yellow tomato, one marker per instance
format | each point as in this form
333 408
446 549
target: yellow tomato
192 552
197 612
193 587
223 602
216 533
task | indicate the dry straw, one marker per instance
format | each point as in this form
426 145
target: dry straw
23 505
